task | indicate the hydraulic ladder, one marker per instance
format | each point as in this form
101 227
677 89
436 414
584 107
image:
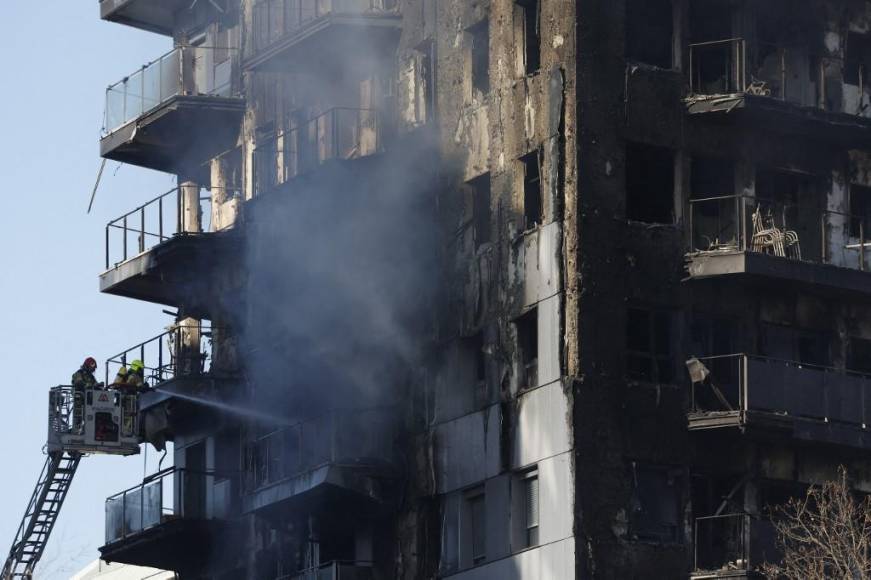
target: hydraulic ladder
42 511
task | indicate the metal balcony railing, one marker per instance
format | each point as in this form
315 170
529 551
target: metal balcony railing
276 19
787 73
340 133
733 542
744 223
166 357
334 438
158 221
334 571
753 383
170 494
185 70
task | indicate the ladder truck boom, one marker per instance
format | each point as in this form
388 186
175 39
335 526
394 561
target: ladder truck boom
80 422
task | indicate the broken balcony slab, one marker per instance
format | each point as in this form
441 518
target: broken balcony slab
756 265
164 273
187 403
839 129
157 16
179 135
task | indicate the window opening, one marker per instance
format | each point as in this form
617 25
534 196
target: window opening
527 342
532 202
480 56
476 513
481 209
649 183
649 32
656 499
649 345
531 510
529 12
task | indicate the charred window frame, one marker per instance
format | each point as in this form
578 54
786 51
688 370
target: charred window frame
526 327
481 209
857 60
533 207
425 55
650 183
807 346
528 23
713 335
265 159
859 355
656 503
650 345
650 32
479 57
475 365
860 211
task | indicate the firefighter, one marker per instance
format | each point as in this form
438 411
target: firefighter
136 376
84 377
120 377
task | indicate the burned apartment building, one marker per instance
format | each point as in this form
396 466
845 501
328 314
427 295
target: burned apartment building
492 289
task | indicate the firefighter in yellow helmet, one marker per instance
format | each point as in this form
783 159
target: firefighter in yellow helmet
136 376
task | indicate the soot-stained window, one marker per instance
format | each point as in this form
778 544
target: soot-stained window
656 504
479 56
481 208
527 343
649 32
649 183
532 202
528 15
649 354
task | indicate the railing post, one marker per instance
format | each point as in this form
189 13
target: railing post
824 249
743 376
107 246
142 229
783 74
333 432
124 223
160 219
692 70
124 514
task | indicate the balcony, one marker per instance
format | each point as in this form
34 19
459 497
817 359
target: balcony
152 15
336 571
733 546
313 35
340 135
772 397
785 87
756 238
183 379
346 455
165 522
151 255
175 113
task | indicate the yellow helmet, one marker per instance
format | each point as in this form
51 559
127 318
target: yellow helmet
137 366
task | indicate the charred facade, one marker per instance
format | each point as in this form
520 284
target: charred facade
494 289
